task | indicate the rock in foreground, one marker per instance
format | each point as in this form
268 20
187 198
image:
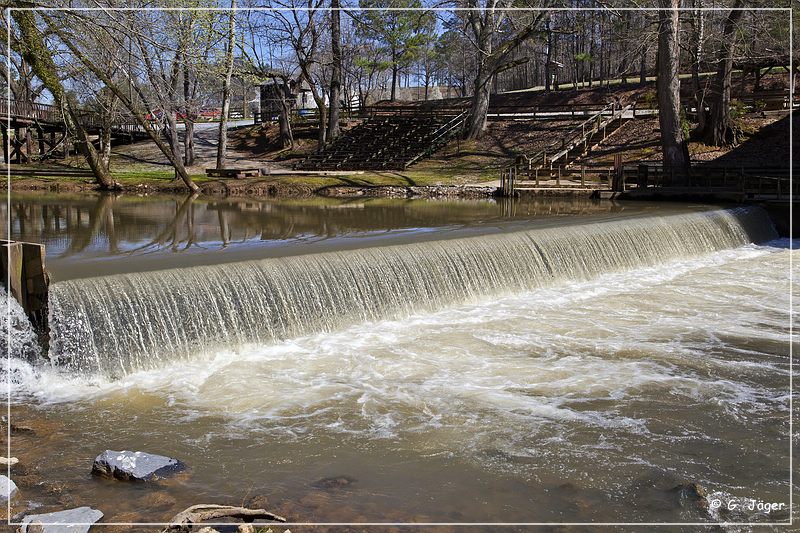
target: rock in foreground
135 466
7 488
77 520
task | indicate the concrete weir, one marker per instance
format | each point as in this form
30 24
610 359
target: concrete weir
119 324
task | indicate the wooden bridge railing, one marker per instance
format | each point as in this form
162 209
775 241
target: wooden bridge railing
30 110
51 115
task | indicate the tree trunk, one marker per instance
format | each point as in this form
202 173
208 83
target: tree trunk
393 96
549 57
591 50
643 66
697 57
222 145
336 72
480 105
188 120
321 139
105 147
720 130
285 136
107 119
99 169
673 145
188 142
41 62
171 132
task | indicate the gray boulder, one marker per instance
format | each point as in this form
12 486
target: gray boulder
135 466
7 488
77 520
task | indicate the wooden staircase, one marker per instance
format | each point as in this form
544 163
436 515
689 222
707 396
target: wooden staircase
559 154
388 142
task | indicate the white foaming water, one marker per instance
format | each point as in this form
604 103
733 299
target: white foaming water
17 338
694 330
121 324
667 365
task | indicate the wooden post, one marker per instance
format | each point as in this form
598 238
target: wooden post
558 177
11 264
18 144
643 176
22 263
618 184
40 138
583 175
536 173
28 145
502 183
5 145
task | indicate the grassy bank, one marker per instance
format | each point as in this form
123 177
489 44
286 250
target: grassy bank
273 185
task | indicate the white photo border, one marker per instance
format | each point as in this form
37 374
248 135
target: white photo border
789 10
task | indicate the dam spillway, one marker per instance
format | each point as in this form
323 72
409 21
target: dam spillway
118 324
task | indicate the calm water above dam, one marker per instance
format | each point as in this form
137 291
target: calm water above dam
393 360
91 235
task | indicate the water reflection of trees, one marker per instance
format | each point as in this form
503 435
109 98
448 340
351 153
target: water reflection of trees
113 225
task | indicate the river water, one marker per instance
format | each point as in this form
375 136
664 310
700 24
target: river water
606 354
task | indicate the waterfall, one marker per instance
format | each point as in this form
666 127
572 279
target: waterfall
17 336
122 323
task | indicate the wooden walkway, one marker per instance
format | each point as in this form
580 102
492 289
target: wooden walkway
32 130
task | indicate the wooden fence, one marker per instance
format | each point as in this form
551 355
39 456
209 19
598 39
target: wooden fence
748 182
772 182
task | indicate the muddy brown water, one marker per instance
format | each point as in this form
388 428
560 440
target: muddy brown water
588 400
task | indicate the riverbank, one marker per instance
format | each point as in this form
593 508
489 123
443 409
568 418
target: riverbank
388 185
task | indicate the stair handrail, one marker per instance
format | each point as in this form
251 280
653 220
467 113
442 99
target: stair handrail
508 173
441 132
568 142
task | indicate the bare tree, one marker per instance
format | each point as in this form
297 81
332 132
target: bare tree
336 72
222 145
98 67
32 46
302 31
719 128
484 21
673 144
